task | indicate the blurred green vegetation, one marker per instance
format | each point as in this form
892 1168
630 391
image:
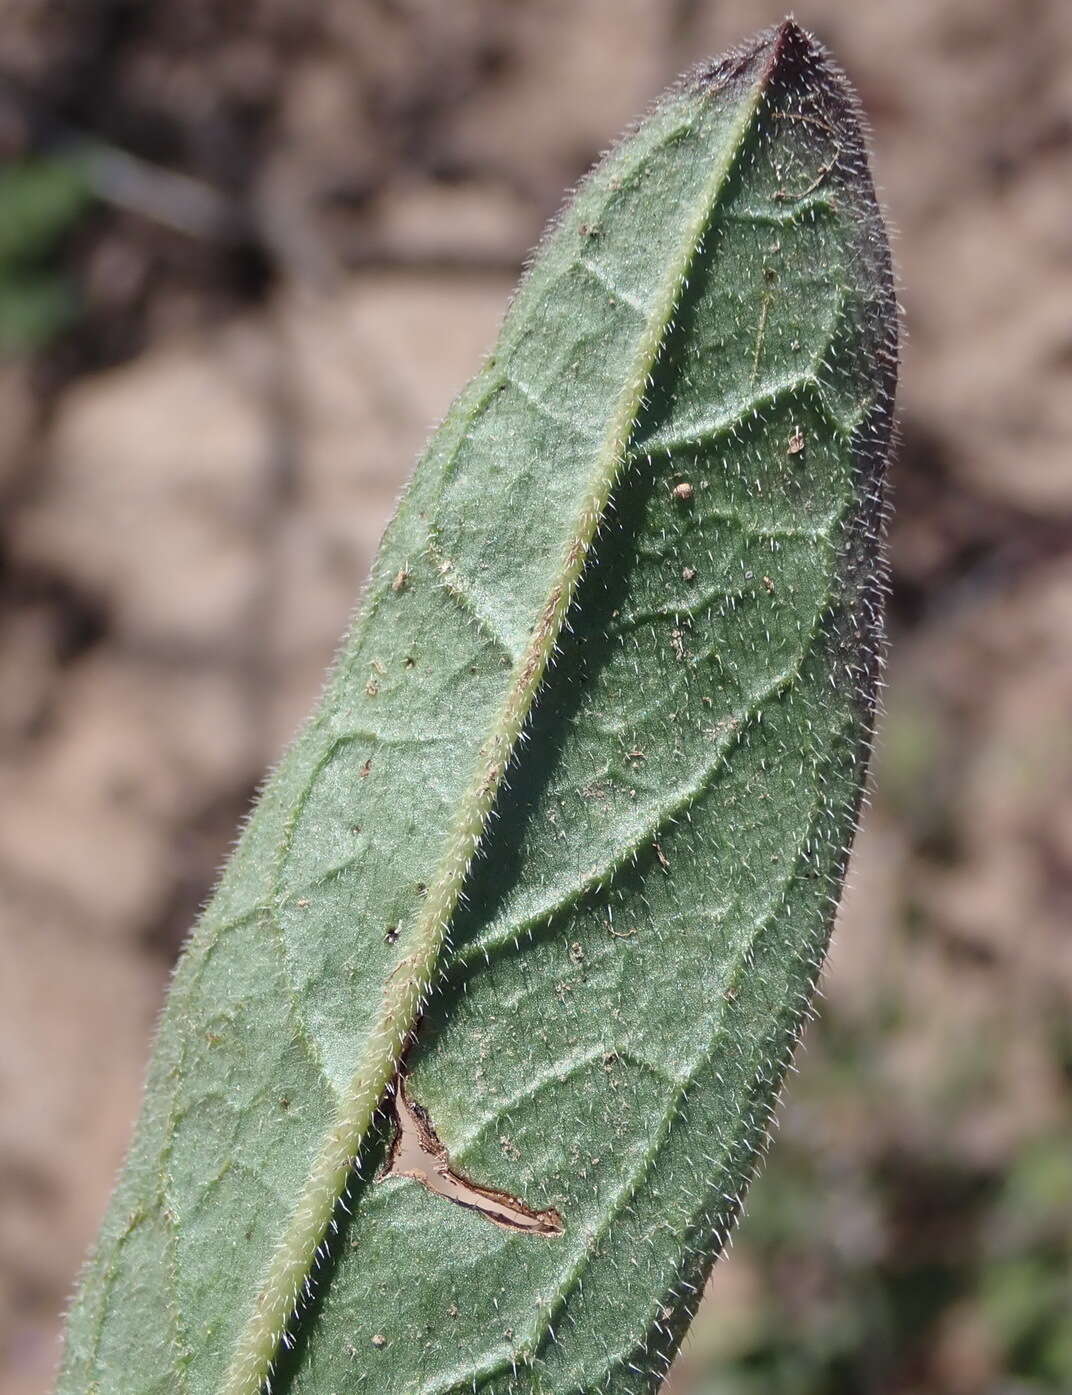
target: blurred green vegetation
42 199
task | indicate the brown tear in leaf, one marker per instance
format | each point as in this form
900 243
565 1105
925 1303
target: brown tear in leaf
416 1152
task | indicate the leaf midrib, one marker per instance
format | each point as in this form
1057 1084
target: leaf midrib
292 1262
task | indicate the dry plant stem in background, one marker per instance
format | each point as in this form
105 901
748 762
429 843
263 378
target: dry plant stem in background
564 840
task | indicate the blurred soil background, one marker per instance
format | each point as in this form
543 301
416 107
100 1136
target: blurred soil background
247 255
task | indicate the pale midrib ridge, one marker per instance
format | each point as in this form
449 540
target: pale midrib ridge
289 1271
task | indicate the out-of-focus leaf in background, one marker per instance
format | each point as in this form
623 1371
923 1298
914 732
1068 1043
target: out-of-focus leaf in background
41 199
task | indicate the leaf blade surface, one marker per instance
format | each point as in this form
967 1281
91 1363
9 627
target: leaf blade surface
619 642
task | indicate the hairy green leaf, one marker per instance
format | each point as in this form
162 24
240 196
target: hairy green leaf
564 840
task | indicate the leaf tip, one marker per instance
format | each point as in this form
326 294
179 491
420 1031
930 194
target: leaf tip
758 57
782 55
